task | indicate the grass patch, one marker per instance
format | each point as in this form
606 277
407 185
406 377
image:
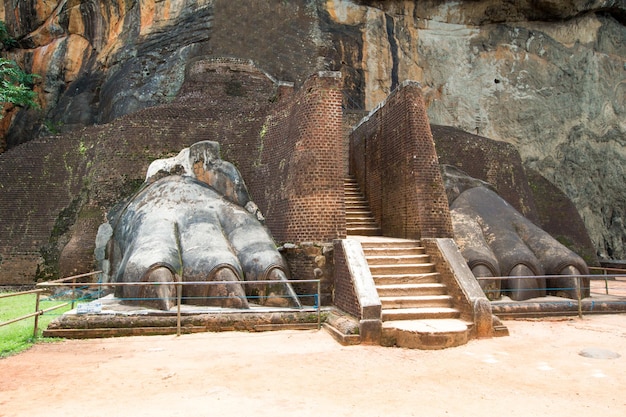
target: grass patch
18 336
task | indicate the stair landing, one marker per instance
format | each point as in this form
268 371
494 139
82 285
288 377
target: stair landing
425 333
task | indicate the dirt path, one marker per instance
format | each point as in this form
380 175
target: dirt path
536 371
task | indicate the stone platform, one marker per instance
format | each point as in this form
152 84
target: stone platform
598 303
108 317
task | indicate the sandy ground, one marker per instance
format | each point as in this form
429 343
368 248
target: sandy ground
536 371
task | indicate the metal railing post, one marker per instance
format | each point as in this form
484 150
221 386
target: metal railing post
73 292
319 302
178 283
179 301
36 326
579 292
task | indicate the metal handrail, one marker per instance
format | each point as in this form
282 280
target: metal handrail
590 276
605 269
35 314
579 279
61 283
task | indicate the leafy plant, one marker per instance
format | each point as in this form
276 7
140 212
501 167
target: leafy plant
6 39
16 86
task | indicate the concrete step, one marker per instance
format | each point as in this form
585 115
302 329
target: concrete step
417 311
417 268
389 251
354 221
359 218
356 211
353 192
397 290
420 313
397 259
357 206
410 278
359 214
425 334
363 231
360 222
415 301
386 242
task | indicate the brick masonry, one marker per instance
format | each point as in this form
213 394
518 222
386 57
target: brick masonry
393 157
301 167
500 164
344 295
287 144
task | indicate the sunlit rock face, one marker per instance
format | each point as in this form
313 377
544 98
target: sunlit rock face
193 221
498 241
99 60
546 76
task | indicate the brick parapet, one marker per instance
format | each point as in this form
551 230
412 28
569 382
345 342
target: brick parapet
344 295
461 284
393 157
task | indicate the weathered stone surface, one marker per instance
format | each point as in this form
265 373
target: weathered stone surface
101 60
499 164
193 220
491 233
547 77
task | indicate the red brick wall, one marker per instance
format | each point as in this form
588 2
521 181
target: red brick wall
393 157
37 181
345 296
287 145
301 166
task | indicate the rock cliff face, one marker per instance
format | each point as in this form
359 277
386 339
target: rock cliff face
546 76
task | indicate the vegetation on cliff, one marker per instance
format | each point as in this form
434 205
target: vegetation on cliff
16 86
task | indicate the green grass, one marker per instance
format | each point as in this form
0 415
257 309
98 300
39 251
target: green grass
18 336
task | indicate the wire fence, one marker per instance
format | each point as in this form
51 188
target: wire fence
88 292
82 290
607 285
37 310
84 293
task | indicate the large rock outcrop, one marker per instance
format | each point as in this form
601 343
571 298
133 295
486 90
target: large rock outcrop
547 77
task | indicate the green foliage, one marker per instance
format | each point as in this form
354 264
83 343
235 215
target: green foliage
16 86
18 336
53 127
6 39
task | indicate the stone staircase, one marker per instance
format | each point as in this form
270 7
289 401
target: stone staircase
359 218
417 310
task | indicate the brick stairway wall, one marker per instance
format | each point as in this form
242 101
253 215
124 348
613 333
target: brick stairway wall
393 157
344 295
